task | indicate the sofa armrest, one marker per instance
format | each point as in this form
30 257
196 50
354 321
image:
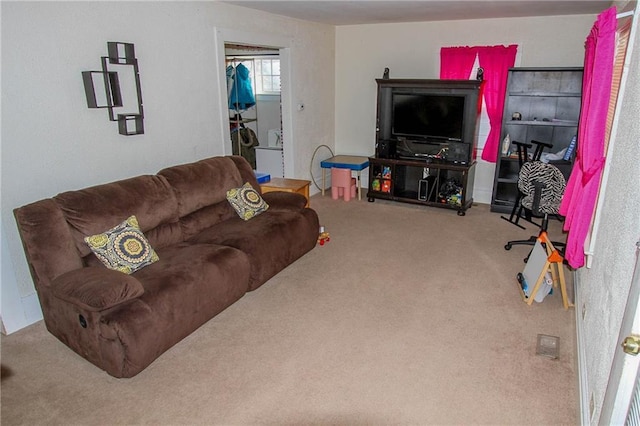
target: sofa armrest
280 200
96 288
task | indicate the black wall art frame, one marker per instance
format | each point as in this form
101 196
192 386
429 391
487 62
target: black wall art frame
117 88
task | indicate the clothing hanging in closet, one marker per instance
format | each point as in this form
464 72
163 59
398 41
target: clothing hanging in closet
246 140
241 93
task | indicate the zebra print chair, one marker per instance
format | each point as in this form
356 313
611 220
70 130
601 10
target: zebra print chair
542 186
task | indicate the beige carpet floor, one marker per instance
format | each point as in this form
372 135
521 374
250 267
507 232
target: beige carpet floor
409 315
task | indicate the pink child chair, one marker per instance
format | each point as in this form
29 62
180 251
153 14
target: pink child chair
342 184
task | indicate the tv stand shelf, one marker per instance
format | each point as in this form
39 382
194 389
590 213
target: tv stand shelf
430 183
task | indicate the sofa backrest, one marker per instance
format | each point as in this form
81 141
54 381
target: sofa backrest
93 210
170 207
187 181
201 205
53 230
246 172
47 241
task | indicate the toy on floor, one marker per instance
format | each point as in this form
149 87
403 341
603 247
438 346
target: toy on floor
323 236
342 184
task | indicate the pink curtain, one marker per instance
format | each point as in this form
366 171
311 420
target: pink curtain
456 63
579 199
496 61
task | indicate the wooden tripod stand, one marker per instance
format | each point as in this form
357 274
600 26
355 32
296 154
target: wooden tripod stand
545 258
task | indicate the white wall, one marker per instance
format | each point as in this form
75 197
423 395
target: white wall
51 141
413 51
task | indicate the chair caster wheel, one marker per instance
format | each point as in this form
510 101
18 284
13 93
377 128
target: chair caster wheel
507 246
461 213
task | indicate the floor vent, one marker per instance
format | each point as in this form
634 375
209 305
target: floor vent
548 346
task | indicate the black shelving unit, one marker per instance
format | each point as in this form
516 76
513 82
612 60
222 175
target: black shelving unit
547 103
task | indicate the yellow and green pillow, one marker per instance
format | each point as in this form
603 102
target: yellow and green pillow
123 248
246 201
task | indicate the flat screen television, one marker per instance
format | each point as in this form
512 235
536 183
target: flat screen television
428 116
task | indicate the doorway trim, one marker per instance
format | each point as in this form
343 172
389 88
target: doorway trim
283 44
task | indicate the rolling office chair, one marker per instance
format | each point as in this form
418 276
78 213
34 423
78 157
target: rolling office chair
542 186
523 157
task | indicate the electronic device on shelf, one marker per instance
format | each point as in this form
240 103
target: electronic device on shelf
427 116
427 120
429 151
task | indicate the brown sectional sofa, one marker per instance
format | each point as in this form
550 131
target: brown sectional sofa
208 258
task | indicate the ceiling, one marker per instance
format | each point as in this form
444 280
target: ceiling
356 12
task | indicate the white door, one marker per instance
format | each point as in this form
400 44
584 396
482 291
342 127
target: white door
621 402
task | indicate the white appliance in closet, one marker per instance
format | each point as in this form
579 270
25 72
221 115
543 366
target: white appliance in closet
269 158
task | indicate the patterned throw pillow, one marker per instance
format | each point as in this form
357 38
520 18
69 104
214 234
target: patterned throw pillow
246 201
123 248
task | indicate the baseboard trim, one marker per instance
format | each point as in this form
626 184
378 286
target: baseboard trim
585 416
32 310
26 313
482 196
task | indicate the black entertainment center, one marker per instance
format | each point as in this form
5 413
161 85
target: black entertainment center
426 137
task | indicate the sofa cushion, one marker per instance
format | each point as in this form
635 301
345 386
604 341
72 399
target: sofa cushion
96 288
246 201
205 218
190 284
165 235
92 210
280 200
272 240
123 248
203 183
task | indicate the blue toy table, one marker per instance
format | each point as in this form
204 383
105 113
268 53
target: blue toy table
351 162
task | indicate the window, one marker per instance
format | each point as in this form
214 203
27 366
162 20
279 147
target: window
267 75
264 73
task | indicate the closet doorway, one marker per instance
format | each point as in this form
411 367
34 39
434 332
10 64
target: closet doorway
254 101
